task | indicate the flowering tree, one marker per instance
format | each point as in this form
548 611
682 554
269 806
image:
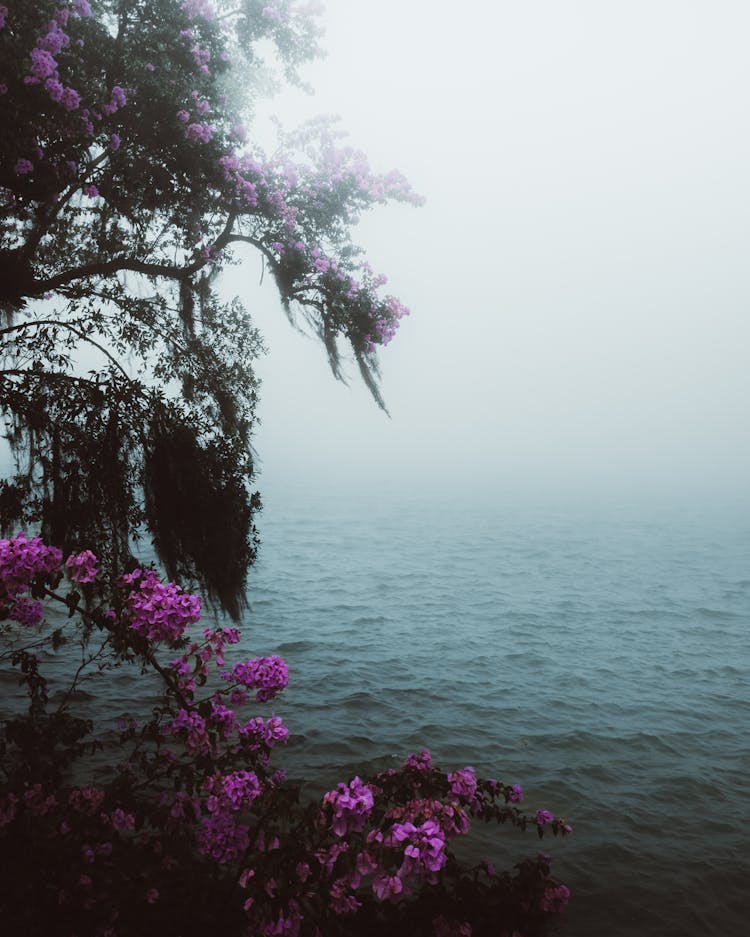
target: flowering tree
197 833
127 181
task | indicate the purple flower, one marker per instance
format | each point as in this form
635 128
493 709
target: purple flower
555 897
43 64
463 782
91 191
149 67
422 761
161 612
235 791
82 7
119 97
23 167
200 132
387 886
122 820
3 14
517 794
114 142
269 675
27 612
202 57
425 850
82 566
543 817
70 99
350 806
55 40
191 726
221 839
22 559
54 89
183 117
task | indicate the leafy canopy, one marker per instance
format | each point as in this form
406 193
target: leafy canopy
127 180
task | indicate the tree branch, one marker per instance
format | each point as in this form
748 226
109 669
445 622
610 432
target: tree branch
82 335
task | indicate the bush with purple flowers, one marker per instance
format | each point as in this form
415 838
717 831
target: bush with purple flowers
195 829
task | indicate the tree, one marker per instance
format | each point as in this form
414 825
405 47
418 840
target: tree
126 184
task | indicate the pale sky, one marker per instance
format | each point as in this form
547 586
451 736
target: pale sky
578 278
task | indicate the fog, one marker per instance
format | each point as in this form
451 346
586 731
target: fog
578 277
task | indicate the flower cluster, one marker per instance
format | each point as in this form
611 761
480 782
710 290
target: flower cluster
424 853
422 761
22 559
159 612
555 898
235 791
190 727
219 797
44 65
463 783
258 734
83 566
350 805
222 838
267 675
450 817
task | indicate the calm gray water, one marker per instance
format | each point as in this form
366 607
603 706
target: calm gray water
599 661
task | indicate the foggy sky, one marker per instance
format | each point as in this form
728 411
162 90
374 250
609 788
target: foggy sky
579 277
